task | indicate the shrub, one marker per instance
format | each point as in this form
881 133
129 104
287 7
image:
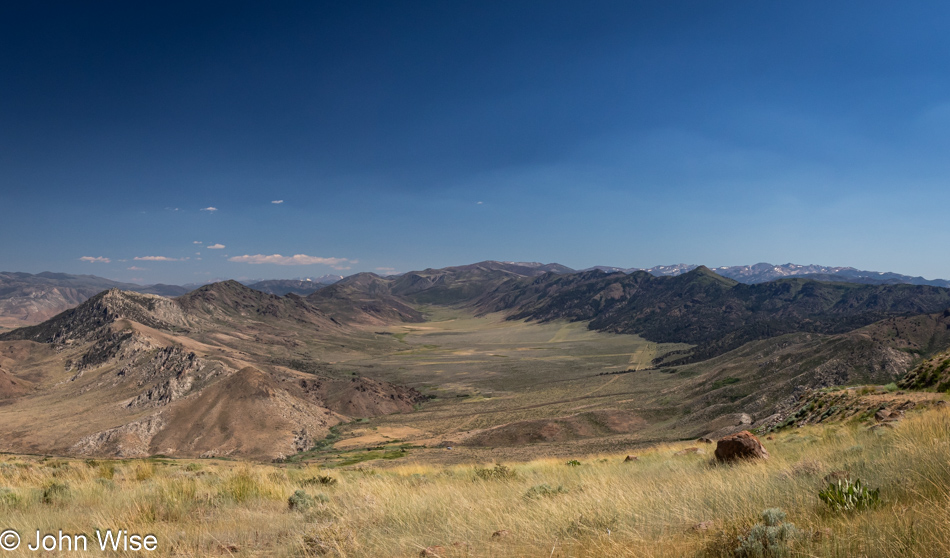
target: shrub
301 501
769 539
144 471
498 472
319 479
725 382
242 487
55 493
8 497
845 495
543 490
573 463
192 467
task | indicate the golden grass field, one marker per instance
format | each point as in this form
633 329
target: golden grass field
602 507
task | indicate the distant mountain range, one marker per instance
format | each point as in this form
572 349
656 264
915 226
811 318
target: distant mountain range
764 272
302 287
27 299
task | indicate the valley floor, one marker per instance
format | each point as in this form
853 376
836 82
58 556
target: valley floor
666 503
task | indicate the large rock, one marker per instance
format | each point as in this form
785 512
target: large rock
742 445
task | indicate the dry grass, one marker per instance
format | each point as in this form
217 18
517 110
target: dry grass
603 507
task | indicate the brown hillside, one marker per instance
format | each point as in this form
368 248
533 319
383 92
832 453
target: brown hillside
11 386
562 429
246 414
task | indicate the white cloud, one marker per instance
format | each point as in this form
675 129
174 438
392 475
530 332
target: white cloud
98 259
197 242
297 259
210 209
278 201
215 247
135 268
478 203
154 259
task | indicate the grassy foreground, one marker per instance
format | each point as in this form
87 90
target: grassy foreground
601 507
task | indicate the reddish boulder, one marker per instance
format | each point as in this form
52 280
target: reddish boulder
631 458
742 445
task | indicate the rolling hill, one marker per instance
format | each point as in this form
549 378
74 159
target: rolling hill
214 372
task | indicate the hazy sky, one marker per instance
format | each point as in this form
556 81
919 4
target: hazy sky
176 142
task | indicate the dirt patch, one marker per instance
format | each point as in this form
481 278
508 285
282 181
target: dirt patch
378 437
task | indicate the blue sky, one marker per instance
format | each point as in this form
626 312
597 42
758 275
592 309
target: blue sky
406 135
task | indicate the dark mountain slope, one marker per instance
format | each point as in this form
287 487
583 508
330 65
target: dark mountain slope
765 378
282 287
765 272
462 284
702 308
232 301
363 298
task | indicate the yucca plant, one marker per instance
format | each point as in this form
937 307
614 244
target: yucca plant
846 495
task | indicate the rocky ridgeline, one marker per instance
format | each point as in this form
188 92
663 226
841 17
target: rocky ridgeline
933 373
872 405
88 321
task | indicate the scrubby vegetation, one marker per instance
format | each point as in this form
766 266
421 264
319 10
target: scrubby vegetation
663 504
846 495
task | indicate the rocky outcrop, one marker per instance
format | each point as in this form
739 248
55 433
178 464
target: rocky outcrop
129 440
742 445
358 397
168 376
